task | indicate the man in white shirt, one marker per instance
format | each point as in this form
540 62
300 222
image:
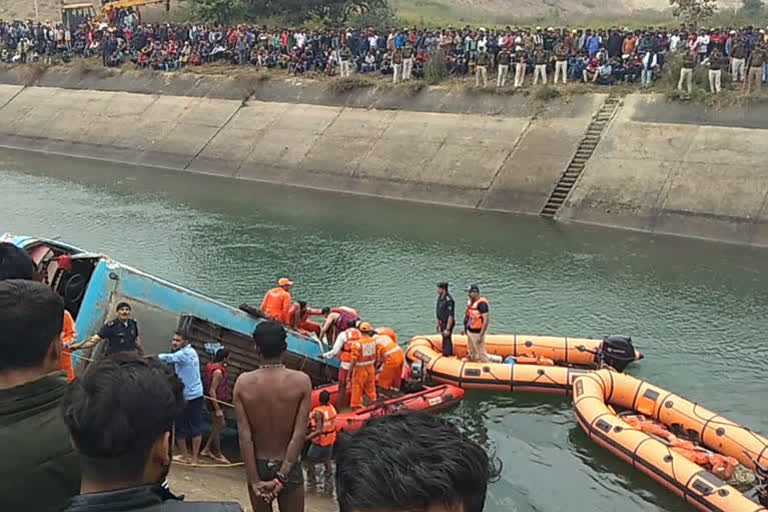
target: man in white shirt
341 349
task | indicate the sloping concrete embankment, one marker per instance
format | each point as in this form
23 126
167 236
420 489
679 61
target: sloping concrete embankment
509 161
673 168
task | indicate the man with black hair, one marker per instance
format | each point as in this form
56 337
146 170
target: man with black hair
39 469
322 438
429 466
189 423
15 263
121 334
446 318
272 405
125 450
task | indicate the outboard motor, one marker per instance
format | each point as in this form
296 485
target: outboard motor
617 352
414 381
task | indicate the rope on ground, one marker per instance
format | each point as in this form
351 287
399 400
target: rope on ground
190 465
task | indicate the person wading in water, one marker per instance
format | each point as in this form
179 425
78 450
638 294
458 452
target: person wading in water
272 405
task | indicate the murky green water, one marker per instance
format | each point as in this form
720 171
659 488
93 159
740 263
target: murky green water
697 310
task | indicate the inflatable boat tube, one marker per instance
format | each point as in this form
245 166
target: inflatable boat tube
430 399
533 378
598 393
563 351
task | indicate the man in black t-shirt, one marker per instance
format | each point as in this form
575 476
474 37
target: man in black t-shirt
121 334
445 317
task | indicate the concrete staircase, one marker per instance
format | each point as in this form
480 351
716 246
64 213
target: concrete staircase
579 161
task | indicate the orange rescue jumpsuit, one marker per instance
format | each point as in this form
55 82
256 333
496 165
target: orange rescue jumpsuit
277 304
68 335
363 354
304 323
392 357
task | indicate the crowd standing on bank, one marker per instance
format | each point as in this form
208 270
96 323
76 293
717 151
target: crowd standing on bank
512 55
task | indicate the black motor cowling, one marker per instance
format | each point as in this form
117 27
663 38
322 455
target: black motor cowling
617 352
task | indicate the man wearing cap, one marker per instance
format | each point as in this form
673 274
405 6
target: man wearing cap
121 334
756 62
363 359
446 319
277 301
476 323
738 53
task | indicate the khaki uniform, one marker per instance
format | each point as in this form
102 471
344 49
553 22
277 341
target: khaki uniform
686 72
481 69
407 62
504 59
561 63
738 61
520 68
756 63
346 62
540 61
397 66
715 72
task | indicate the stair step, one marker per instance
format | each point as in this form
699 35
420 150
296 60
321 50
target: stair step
568 180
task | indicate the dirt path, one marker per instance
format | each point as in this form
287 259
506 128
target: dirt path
228 484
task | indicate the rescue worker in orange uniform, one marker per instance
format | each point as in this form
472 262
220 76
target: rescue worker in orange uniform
299 317
68 338
277 301
342 348
337 321
476 321
390 358
362 367
323 437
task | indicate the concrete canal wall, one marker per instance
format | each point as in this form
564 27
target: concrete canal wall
658 166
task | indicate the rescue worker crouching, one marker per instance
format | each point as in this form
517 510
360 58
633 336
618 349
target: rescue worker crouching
362 367
390 359
299 314
277 302
337 320
322 437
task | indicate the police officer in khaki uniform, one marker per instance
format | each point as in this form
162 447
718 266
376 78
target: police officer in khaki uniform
756 64
561 62
346 61
540 63
481 67
503 58
397 65
715 71
407 61
520 67
686 72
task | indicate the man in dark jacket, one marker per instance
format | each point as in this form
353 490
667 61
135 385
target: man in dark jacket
125 449
38 470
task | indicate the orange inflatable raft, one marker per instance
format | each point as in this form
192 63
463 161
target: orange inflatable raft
690 450
544 364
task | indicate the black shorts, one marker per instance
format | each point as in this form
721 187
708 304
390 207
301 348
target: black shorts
189 423
317 453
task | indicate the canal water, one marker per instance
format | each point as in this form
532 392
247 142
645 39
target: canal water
697 310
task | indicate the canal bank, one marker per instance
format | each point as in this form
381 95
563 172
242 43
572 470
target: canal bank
651 165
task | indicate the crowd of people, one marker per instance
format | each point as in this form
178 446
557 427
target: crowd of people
513 55
101 441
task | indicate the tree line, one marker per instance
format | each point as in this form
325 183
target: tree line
294 11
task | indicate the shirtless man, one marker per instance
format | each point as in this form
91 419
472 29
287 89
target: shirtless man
272 405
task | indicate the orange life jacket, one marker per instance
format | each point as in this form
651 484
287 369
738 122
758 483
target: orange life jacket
474 319
353 336
328 438
385 347
274 302
68 335
364 351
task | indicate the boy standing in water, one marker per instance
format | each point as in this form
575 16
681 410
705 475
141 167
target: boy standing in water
272 405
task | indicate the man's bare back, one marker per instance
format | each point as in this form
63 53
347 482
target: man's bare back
272 406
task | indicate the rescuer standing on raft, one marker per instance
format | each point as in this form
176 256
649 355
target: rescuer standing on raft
277 302
362 369
391 358
476 323
342 348
446 319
